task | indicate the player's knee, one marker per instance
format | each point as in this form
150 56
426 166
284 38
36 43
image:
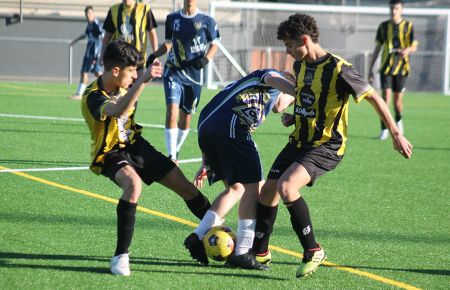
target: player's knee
284 188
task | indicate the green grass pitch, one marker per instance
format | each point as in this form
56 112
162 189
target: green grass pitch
384 221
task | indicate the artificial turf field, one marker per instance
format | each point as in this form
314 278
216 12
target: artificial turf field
384 221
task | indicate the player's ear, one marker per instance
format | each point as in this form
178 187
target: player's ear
305 39
115 71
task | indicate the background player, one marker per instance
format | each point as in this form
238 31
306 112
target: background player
396 37
131 22
230 155
119 152
190 38
91 61
317 144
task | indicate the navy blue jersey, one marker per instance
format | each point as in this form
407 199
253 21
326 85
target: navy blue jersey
239 108
93 33
190 36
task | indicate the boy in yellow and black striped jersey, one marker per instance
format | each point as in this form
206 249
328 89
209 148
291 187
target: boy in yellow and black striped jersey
324 84
118 150
396 38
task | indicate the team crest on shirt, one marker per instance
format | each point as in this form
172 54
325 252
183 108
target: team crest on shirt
176 25
309 76
197 25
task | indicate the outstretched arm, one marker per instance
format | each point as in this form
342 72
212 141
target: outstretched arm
401 144
123 104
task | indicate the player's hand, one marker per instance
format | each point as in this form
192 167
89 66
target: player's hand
371 78
151 58
402 53
402 146
154 70
287 119
200 176
200 62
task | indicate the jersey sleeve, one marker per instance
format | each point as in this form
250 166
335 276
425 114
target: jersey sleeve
96 103
151 22
108 25
169 28
351 82
267 72
379 37
212 32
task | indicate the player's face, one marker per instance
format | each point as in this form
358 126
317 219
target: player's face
396 11
296 48
127 76
90 15
128 2
189 3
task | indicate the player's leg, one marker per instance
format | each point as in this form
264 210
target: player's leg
175 180
117 169
85 67
173 91
188 105
386 83
399 88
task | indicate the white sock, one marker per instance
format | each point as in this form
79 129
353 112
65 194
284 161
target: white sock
211 219
81 88
245 235
182 135
171 141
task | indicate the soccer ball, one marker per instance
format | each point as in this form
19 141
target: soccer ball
219 242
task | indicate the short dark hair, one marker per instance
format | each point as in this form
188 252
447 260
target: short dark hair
122 54
395 2
87 8
297 25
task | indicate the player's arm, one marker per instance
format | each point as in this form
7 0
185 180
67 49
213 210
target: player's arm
375 53
124 104
278 82
108 27
283 101
82 36
163 49
151 29
401 144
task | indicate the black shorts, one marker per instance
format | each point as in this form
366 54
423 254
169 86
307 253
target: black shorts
397 82
150 164
234 160
317 161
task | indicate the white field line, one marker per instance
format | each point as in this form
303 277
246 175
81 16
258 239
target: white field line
193 160
71 119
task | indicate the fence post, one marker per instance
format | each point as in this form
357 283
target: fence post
70 63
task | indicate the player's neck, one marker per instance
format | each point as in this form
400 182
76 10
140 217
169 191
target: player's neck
315 53
108 83
190 10
397 20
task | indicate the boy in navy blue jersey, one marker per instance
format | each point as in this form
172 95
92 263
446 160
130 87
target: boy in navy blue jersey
91 62
190 38
229 154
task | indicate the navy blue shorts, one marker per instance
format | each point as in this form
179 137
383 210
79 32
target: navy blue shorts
187 96
317 161
232 160
90 65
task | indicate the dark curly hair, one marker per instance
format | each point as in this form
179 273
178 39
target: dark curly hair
297 25
122 54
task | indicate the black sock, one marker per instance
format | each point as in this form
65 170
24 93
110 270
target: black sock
383 126
265 218
398 116
199 205
126 217
301 222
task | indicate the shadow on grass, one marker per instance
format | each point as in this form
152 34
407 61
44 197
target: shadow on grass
12 260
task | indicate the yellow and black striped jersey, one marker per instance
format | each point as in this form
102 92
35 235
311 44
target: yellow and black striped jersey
321 103
130 24
107 133
394 37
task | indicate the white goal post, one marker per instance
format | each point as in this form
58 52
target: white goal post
248 38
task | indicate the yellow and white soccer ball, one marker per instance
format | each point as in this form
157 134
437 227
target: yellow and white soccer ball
219 242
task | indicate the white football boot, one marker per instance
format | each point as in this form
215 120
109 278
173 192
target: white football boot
120 265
